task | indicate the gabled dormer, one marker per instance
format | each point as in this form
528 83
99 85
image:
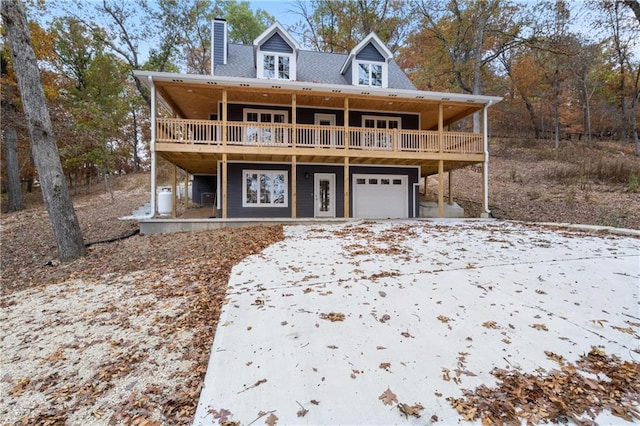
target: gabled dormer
368 63
276 53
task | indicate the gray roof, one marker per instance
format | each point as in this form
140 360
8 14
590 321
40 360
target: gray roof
313 67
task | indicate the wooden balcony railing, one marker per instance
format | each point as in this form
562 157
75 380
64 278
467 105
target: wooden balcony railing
209 132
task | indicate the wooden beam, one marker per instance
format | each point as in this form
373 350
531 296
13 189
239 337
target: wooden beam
224 117
450 187
440 188
294 119
186 189
440 127
174 191
346 123
224 184
294 185
346 187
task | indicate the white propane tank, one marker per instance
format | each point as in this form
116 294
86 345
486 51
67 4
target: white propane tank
165 202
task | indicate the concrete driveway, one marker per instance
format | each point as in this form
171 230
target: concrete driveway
320 326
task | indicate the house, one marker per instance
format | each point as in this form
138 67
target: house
277 131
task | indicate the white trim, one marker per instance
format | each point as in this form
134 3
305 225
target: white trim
276 28
310 87
259 112
355 73
380 46
386 118
404 183
321 134
277 55
284 173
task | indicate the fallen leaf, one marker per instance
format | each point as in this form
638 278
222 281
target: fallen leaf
387 397
411 410
272 420
490 324
540 327
385 365
333 316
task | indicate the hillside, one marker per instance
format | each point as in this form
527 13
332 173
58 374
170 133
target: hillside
534 182
117 305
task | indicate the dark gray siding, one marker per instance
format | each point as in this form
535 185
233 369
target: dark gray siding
305 190
409 121
234 192
219 30
412 174
307 115
276 44
370 53
305 194
204 184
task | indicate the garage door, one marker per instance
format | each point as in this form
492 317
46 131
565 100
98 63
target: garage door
379 196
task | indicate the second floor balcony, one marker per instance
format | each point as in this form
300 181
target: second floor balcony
215 133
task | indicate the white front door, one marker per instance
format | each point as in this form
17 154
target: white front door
325 194
325 137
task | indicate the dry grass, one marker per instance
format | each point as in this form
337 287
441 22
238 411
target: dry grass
532 181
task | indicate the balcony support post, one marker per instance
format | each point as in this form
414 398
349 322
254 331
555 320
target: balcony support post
485 213
294 186
440 128
224 184
440 188
224 121
346 187
347 138
174 190
294 121
450 187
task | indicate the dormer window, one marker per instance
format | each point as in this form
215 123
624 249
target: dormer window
370 74
368 63
276 52
276 66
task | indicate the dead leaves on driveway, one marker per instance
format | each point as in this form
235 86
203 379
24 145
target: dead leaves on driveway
332 316
557 395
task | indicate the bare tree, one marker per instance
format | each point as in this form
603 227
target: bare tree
635 6
66 228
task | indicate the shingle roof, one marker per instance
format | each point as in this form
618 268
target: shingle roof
313 67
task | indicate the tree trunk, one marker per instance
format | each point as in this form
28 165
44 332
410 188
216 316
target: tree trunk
12 166
556 107
134 142
586 113
66 228
532 115
14 191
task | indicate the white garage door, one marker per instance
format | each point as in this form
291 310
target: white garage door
379 196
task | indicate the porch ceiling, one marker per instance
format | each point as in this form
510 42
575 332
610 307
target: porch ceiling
205 163
200 99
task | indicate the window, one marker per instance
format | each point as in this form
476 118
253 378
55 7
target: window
265 134
265 188
381 137
369 74
276 66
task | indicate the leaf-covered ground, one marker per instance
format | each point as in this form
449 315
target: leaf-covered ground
120 336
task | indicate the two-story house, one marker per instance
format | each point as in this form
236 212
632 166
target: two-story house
280 132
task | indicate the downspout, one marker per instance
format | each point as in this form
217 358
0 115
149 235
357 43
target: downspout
485 142
153 151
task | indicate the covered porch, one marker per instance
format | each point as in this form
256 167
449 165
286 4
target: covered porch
195 129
